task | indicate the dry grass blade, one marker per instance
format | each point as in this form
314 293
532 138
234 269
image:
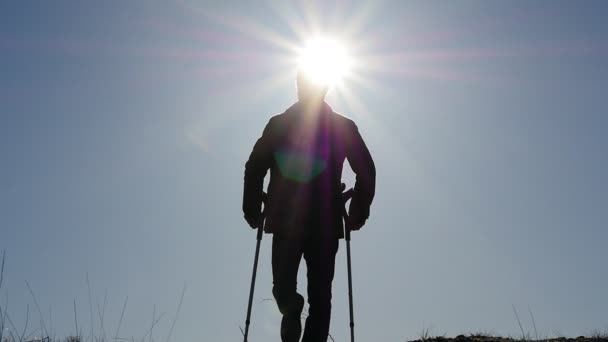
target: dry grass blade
12 325
46 332
27 320
76 320
425 334
533 323
102 312
2 315
154 322
52 331
179 307
523 335
122 315
28 337
90 307
2 320
2 268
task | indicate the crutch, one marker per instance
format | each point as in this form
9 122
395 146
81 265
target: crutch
345 197
255 267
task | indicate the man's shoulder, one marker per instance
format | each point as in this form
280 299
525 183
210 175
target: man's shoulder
341 118
342 122
278 122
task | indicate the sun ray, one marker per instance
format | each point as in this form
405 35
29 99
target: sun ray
290 17
265 88
312 17
248 27
362 16
363 82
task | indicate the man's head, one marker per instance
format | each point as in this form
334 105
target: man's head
310 90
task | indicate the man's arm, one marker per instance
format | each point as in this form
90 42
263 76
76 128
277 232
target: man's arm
362 164
260 160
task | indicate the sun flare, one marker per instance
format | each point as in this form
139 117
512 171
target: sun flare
325 61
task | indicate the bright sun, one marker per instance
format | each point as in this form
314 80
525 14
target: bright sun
325 61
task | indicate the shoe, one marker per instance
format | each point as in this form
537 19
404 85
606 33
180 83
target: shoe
291 324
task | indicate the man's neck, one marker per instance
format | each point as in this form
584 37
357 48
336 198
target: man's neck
313 106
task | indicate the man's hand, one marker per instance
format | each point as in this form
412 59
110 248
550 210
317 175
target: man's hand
353 220
357 215
355 223
255 221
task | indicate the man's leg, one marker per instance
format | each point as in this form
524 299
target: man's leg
286 256
320 256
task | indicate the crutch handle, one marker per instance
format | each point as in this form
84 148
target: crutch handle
261 227
347 195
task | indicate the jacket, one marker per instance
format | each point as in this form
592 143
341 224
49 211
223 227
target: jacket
305 148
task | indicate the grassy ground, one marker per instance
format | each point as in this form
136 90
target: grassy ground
597 337
25 334
460 338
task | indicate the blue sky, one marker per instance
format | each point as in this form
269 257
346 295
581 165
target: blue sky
125 127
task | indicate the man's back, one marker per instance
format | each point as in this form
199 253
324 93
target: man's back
305 149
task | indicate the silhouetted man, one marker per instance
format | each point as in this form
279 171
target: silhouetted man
305 148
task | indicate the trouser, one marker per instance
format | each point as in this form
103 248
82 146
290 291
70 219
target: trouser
320 255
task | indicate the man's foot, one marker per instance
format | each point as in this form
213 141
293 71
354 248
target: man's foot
291 324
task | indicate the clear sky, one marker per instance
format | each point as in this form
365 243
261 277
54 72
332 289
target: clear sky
124 128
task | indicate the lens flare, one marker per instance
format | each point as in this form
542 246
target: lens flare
325 61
